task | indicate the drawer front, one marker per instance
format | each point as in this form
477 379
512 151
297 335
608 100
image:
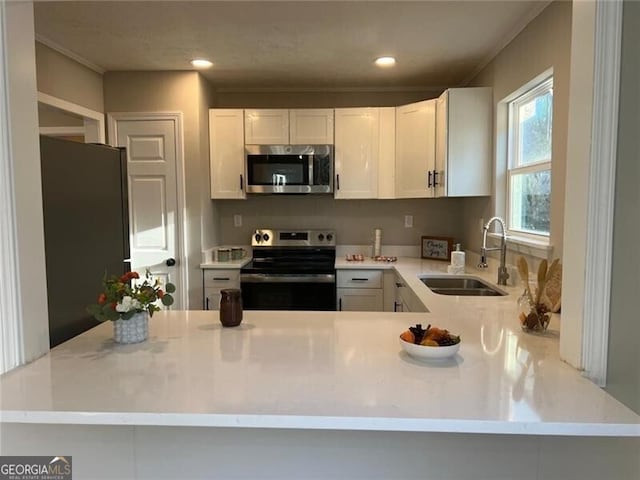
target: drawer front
222 278
359 278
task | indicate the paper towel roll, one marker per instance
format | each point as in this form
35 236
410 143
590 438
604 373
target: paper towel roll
377 242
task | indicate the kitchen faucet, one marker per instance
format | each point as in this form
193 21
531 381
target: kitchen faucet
502 270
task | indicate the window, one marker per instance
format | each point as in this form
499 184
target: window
529 161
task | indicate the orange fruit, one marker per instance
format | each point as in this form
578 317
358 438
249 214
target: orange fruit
408 336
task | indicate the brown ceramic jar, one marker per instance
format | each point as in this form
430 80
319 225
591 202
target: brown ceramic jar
230 307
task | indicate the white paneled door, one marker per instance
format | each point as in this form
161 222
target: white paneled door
154 216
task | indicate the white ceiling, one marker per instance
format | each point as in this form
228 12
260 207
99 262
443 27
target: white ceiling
303 44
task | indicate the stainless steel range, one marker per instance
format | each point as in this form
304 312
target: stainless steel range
290 270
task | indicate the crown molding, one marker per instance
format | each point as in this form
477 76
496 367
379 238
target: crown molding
507 39
68 53
329 89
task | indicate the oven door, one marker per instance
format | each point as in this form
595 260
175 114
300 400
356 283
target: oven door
265 291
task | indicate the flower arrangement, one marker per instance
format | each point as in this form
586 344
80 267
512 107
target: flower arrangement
536 308
122 298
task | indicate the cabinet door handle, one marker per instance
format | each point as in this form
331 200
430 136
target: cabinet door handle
435 178
221 279
400 285
429 179
359 279
206 303
338 181
340 304
396 305
241 182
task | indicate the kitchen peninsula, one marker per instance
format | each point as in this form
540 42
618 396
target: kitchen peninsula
320 395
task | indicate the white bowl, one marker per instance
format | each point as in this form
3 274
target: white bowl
427 352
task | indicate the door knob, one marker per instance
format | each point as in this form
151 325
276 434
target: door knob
170 262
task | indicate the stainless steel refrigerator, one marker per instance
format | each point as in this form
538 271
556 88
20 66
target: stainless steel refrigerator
86 227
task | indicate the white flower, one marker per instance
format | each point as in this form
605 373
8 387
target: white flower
127 304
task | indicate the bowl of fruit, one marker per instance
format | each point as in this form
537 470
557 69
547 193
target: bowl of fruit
429 343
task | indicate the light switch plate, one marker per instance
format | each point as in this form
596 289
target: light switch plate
237 220
408 221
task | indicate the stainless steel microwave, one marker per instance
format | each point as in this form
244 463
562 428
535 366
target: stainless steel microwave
289 168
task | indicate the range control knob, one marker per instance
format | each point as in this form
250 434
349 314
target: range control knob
258 237
329 237
321 237
265 237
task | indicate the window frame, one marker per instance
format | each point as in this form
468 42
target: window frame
513 154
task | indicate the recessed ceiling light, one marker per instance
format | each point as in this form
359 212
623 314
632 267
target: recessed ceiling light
201 63
385 61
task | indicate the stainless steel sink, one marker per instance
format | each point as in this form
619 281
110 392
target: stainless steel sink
461 285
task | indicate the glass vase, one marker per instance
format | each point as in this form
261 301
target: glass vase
533 317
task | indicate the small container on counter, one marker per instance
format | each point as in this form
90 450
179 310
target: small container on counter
224 254
230 307
237 253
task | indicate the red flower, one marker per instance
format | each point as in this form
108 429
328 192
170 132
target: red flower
113 305
128 276
102 298
160 293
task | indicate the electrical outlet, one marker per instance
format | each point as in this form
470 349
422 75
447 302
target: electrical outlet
408 221
481 224
237 220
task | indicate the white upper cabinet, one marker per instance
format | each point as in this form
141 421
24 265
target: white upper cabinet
266 127
356 152
226 153
415 149
463 142
387 153
289 127
311 126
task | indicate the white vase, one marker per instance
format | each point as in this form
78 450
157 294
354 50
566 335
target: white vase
134 330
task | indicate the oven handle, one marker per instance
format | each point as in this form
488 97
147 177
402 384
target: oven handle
287 278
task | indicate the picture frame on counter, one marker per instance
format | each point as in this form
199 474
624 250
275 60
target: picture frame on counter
436 248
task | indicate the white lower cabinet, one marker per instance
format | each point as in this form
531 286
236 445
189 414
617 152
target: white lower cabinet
405 299
360 291
216 280
360 300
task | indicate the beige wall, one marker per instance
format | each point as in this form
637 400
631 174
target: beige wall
623 366
353 220
172 92
319 99
62 77
544 43
51 117
210 215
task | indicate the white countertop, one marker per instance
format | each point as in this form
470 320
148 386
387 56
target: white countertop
318 370
230 265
